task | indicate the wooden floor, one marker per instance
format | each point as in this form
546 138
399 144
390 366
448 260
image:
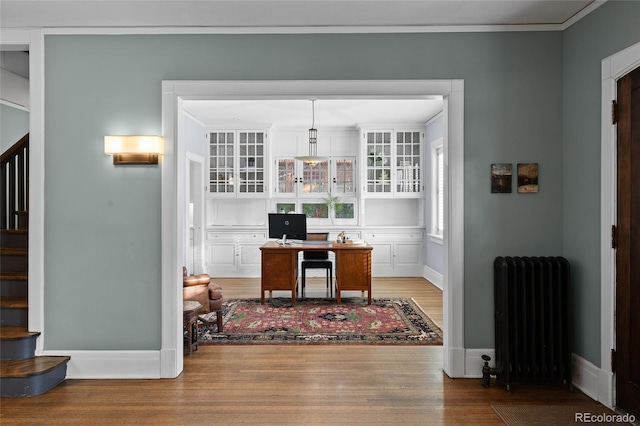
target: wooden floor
300 385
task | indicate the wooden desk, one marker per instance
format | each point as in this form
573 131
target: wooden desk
280 267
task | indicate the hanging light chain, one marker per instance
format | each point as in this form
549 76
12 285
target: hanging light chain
313 132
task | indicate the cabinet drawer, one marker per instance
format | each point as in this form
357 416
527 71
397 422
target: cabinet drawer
394 236
252 236
237 236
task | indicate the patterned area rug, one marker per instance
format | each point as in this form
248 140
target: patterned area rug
321 321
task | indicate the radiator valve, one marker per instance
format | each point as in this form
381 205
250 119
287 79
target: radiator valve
487 371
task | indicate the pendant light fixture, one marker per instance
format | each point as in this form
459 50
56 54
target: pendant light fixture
313 157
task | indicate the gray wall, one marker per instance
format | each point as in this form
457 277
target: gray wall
102 224
14 124
608 30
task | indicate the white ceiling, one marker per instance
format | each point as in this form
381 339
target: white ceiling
300 16
289 13
299 113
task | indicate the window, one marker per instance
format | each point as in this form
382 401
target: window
437 188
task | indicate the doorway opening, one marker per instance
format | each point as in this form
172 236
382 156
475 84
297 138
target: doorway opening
175 218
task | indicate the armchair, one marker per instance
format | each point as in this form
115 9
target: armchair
199 288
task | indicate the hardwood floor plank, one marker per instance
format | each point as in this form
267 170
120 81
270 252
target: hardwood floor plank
292 385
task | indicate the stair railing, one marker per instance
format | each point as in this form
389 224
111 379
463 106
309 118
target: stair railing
15 185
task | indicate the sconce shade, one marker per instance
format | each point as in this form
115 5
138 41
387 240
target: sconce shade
133 149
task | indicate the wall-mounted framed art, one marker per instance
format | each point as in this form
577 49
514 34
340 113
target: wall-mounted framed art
527 178
501 178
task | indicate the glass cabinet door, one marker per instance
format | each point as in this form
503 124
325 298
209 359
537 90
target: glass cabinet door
286 176
378 161
344 175
315 178
408 162
251 162
221 162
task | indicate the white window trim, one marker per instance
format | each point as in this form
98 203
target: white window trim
434 235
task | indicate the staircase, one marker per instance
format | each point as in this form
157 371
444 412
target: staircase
21 372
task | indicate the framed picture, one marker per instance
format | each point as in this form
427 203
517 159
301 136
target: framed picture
501 178
527 178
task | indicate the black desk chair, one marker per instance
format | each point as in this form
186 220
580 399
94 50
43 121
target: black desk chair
317 260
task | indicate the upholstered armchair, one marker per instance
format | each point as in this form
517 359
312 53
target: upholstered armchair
199 288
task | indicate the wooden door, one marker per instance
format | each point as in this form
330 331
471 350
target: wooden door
628 245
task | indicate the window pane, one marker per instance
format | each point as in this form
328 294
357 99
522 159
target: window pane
344 211
440 189
315 210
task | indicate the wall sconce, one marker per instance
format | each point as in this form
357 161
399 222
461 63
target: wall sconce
133 149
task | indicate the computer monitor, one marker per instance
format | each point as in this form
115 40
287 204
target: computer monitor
293 225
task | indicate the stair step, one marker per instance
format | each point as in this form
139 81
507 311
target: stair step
14 259
13 251
14 238
17 343
13 276
14 289
32 376
14 284
14 302
15 333
14 311
30 366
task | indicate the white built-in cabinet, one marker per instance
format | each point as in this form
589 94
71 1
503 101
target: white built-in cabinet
238 163
297 179
376 173
234 253
396 253
393 162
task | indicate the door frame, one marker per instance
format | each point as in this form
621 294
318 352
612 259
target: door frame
33 41
173 190
195 186
613 68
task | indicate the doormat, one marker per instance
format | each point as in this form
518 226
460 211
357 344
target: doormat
322 321
558 415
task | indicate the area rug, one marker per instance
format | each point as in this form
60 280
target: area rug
558 415
322 321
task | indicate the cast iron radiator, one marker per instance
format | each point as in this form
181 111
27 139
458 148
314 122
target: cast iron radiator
532 320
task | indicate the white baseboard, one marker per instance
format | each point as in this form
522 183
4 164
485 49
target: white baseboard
433 276
111 364
453 362
592 380
585 376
